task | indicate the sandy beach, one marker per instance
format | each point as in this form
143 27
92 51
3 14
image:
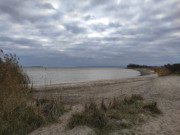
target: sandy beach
164 90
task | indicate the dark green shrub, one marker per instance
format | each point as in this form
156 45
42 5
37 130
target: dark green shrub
152 107
173 67
136 97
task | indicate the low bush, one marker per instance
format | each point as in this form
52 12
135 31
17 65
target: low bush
152 107
162 71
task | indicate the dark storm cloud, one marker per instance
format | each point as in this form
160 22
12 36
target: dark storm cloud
92 32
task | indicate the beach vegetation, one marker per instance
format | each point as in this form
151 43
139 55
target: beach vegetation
164 70
175 68
19 112
116 115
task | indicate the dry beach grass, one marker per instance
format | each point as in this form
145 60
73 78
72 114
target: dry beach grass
163 90
19 112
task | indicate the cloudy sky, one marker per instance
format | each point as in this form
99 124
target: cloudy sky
91 32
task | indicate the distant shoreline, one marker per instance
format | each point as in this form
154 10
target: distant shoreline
143 72
124 67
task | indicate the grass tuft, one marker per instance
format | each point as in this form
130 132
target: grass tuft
53 110
137 97
119 114
152 107
91 116
103 105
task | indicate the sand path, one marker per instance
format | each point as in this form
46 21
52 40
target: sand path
164 90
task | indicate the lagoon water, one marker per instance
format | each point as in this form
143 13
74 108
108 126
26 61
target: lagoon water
46 76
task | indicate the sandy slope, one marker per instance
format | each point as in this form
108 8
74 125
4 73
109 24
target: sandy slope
164 90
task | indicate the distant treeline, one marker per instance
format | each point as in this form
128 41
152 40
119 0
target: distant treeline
172 67
138 66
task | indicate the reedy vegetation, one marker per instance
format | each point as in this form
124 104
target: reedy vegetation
19 113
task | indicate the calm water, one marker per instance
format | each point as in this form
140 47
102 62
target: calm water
42 75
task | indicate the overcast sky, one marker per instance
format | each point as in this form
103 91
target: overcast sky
91 32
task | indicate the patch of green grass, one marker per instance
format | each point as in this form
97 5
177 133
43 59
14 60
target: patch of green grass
117 115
